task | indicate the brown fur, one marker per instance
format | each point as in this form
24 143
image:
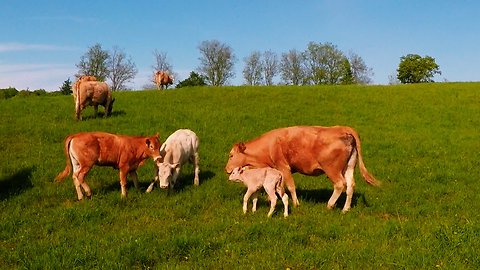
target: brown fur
92 93
126 153
162 78
309 150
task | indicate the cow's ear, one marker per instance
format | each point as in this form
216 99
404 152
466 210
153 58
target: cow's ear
241 147
157 135
147 141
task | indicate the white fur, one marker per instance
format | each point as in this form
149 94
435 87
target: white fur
179 148
271 180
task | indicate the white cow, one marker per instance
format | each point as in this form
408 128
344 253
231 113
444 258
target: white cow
271 180
179 148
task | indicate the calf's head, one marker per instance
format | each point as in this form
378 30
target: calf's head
236 175
236 158
153 147
166 172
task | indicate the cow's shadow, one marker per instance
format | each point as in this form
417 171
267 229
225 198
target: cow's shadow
323 195
91 115
184 180
16 184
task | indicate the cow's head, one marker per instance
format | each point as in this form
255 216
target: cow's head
153 147
237 157
165 173
236 175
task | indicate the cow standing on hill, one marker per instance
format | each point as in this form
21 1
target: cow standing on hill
309 150
126 153
162 78
88 91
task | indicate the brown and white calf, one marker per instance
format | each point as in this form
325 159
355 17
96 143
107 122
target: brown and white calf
126 153
179 148
271 180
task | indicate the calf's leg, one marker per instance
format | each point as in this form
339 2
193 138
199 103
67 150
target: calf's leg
245 199
133 175
270 189
123 183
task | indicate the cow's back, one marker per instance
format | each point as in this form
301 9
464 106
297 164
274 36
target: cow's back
302 148
180 146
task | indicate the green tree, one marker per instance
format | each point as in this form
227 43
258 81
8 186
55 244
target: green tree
216 62
291 68
324 63
253 70
94 63
347 77
416 69
66 87
194 80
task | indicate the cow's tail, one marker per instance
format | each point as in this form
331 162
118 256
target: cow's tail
363 170
68 167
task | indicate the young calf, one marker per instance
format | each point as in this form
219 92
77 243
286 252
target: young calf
271 180
179 148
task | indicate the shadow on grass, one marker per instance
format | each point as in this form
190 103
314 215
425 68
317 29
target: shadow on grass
101 114
183 181
16 184
323 195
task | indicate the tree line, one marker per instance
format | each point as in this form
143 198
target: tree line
319 63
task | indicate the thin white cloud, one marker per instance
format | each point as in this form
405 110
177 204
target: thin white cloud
35 76
15 46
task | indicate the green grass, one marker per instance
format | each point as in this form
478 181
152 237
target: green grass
421 141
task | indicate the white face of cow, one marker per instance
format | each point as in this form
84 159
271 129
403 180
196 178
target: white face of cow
236 175
165 174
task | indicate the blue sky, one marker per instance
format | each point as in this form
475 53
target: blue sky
42 41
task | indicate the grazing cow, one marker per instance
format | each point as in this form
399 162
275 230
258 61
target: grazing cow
162 78
309 150
126 153
179 148
87 91
254 179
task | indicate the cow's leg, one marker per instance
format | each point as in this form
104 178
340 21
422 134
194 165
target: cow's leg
281 191
285 204
123 183
79 181
288 178
245 199
77 188
270 189
338 186
196 159
95 109
350 180
134 176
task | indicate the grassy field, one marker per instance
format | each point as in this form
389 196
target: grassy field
421 141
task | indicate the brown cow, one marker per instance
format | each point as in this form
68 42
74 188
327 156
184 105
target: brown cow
126 153
87 91
162 78
309 150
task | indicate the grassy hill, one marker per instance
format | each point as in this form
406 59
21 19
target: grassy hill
421 141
